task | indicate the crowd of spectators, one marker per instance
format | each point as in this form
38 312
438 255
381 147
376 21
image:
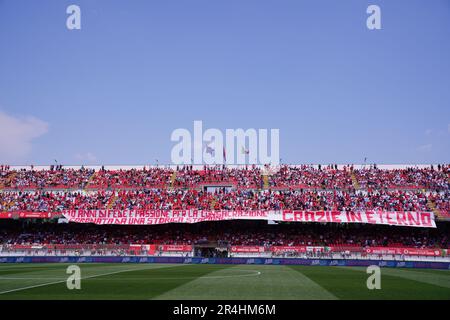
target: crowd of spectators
235 233
181 177
56 177
304 187
223 199
132 178
329 177
249 177
426 178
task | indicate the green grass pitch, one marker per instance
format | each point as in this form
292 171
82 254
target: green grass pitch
217 282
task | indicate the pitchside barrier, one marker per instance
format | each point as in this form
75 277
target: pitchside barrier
233 261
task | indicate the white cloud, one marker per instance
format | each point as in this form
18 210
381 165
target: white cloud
88 157
428 132
425 148
17 135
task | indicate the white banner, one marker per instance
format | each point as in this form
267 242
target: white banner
151 217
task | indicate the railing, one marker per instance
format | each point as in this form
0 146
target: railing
158 250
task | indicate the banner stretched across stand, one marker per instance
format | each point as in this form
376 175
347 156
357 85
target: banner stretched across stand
154 217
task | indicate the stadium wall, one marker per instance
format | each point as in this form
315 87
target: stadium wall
233 261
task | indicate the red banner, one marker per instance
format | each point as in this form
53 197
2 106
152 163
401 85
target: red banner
6 215
28 215
405 251
153 248
175 248
299 249
247 249
283 249
143 217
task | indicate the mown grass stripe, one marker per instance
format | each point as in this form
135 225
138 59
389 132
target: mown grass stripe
267 283
64 280
27 287
134 284
432 278
351 283
219 282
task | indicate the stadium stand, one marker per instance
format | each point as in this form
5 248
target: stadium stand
304 187
221 199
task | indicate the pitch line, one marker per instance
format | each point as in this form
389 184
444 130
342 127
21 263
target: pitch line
253 273
89 277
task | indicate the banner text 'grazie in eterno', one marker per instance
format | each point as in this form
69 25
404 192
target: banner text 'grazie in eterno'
149 217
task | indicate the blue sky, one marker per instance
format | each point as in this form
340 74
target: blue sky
112 92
